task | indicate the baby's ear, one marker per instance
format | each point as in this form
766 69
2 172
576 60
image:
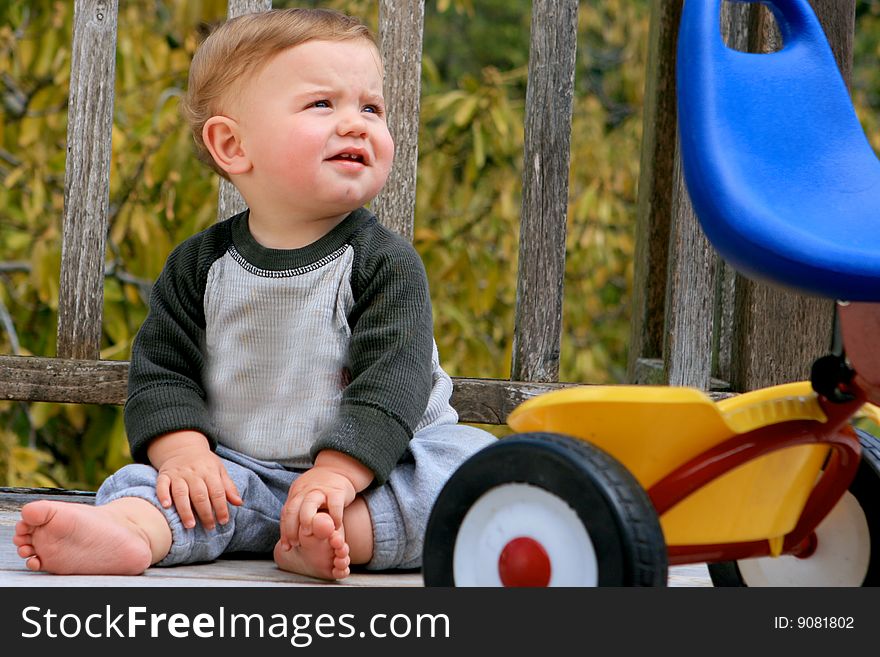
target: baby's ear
222 137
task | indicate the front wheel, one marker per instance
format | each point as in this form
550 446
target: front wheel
543 509
848 541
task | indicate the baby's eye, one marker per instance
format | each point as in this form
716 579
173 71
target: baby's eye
321 103
373 109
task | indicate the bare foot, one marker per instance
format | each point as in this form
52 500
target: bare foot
65 538
322 554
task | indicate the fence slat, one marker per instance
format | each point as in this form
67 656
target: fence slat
401 27
655 189
229 200
549 97
87 178
62 380
697 323
31 378
239 7
690 302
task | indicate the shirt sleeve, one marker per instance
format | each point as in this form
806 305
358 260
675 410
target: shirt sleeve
389 355
165 389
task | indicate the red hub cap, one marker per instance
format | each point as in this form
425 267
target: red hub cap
524 562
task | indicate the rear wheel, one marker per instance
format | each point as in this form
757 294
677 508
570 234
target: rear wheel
543 509
848 541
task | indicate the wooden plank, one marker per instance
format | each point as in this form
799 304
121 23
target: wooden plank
401 27
690 575
690 301
655 188
32 379
549 94
651 371
12 499
697 283
739 21
229 200
698 318
87 178
838 18
766 351
722 337
29 378
777 335
490 401
240 7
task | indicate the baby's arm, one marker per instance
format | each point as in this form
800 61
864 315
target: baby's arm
193 477
331 484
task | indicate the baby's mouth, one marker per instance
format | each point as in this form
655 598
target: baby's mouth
349 157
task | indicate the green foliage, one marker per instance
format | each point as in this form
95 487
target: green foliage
469 194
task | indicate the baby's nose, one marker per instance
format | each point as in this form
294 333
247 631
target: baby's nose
352 123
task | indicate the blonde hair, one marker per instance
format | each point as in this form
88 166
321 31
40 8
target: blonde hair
241 46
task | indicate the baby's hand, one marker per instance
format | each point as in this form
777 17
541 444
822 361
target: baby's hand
193 477
314 490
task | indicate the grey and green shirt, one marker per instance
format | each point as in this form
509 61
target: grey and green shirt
280 354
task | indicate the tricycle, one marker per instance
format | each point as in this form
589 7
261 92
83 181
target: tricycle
609 485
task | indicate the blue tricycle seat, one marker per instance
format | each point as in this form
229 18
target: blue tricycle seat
781 176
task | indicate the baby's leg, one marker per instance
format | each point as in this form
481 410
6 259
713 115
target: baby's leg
123 537
400 508
328 552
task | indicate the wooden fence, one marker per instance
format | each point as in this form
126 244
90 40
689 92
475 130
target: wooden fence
694 321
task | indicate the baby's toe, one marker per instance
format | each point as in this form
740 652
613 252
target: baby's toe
323 526
26 551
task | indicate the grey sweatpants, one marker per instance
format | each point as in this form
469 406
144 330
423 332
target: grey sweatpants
399 509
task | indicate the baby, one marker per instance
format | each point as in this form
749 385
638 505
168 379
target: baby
285 391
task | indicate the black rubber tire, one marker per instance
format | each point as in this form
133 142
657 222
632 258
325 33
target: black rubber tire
615 510
865 488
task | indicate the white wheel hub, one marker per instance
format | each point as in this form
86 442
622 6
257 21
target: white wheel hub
842 556
511 515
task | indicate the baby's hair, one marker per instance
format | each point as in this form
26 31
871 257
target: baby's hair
238 49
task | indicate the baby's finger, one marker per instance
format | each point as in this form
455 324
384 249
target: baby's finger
290 521
313 501
180 495
335 507
232 494
163 489
201 500
217 495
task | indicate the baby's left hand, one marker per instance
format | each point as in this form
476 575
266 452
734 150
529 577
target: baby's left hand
314 490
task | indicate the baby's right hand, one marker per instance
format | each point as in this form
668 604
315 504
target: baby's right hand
193 477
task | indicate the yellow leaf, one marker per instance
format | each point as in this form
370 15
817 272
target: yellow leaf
465 112
77 415
479 144
42 412
26 460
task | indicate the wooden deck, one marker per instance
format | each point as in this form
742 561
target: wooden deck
221 573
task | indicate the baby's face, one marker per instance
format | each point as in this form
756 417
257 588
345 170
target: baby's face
313 125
